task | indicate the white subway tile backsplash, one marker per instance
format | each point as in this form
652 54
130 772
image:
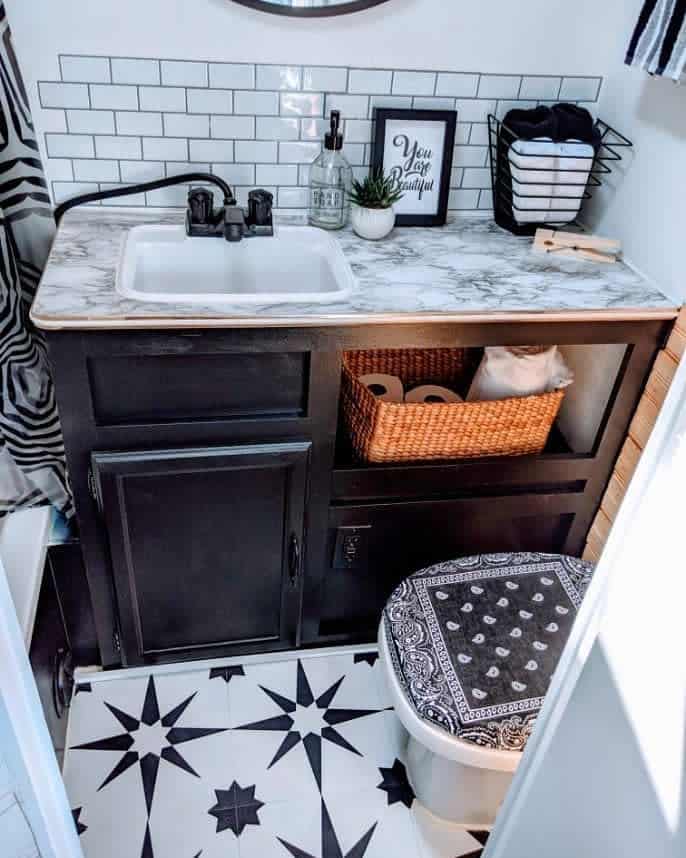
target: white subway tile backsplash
118 147
351 106
457 85
175 196
164 149
109 121
431 102
476 177
302 104
232 75
125 200
62 191
210 101
53 120
370 81
60 169
358 130
69 146
293 198
184 73
256 103
479 134
466 200
355 153
276 174
505 106
279 77
85 69
140 171
185 125
540 88
314 128
474 109
175 168
298 153
470 156
135 71
90 121
144 124
462 131
165 98
256 151
232 127
277 128
391 102
93 170
499 86
414 83
325 79
486 199
114 96
580 88
235 174
211 150
63 94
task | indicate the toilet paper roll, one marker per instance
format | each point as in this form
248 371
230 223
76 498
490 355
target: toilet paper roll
388 388
429 393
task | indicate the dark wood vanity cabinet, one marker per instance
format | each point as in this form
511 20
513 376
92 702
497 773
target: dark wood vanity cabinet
221 510
205 544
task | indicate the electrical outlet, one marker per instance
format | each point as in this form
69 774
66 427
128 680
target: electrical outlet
352 547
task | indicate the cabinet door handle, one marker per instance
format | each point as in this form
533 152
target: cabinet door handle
294 560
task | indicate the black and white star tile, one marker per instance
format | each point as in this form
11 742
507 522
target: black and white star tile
296 757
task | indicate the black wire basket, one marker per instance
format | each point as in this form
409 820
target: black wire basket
547 187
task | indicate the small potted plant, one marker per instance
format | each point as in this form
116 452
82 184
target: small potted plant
372 201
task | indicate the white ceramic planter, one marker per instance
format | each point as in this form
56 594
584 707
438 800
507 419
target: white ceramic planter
372 224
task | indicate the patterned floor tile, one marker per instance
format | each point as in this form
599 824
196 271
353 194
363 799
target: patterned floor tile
297 757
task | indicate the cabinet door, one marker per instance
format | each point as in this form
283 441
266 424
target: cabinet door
206 547
373 547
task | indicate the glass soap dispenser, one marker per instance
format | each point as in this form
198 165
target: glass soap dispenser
331 179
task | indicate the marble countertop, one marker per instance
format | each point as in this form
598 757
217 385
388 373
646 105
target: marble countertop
469 270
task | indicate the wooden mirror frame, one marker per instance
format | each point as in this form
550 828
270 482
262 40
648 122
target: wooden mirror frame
310 12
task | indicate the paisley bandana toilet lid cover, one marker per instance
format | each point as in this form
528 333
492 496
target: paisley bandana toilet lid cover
474 642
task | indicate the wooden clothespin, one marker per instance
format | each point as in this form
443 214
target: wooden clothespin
591 248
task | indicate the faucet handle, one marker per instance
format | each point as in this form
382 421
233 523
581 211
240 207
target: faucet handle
200 206
260 204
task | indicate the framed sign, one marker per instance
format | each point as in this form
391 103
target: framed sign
415 148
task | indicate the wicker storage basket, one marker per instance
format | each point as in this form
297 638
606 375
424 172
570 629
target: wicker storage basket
409 432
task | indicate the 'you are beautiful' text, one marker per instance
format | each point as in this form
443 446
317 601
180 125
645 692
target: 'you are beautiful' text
414 174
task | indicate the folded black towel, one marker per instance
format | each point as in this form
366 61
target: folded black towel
560 122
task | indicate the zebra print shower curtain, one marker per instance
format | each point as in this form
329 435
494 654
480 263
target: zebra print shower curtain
32 466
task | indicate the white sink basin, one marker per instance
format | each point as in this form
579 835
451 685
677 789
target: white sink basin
297 264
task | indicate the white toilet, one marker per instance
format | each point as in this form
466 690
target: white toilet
468 648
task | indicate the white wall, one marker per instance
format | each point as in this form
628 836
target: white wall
538 36
645 204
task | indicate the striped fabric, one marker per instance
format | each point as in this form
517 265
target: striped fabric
658 44
32 465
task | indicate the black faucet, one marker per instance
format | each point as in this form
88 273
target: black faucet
230 221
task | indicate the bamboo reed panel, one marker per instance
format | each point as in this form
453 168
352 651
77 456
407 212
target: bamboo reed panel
641 427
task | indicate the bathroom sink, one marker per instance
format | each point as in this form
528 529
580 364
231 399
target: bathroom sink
297 264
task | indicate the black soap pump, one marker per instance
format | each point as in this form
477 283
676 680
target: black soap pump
331 179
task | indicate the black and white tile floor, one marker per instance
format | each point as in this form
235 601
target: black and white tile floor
296 757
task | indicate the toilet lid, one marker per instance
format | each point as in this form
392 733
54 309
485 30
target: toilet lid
475 641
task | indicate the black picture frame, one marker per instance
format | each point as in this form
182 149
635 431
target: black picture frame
310 11
447 118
